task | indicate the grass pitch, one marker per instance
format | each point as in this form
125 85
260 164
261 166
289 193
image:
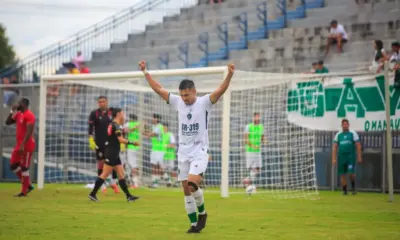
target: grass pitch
64 212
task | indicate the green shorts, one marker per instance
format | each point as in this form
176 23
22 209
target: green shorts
346 164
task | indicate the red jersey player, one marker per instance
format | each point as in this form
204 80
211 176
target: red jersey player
22 153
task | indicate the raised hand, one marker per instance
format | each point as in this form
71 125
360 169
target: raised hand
231 68
142 66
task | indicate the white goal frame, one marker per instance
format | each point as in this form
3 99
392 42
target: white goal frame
137 74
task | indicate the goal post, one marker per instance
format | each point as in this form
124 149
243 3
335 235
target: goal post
47 81
285 161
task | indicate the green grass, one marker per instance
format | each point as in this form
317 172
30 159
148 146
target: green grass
64 212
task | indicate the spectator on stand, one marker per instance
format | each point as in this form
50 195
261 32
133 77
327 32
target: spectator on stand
314 67
379 57
78 60
71 68
83 68
395 56
337 35
199 2
321 69
261 60
10 93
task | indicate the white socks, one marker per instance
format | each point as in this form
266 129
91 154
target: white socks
113 181
199 197
253 176
190 206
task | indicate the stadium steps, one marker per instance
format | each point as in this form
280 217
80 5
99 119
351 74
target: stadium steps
139 40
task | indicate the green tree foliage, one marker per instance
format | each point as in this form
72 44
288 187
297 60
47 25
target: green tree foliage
7 53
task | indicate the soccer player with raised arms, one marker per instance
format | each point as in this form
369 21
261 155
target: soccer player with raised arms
346 147
193 114
254 137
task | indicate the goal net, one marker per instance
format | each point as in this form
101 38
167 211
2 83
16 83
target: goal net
284 165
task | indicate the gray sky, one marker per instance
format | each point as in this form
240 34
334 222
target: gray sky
35 24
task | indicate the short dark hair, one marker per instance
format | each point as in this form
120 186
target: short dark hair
166 124
157 116
395 44
344 120
115 111
256 114
102 97
333 22
320 62
314 63
133 117
25 101
186 84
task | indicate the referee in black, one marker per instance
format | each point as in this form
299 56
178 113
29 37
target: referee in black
112 159
99 119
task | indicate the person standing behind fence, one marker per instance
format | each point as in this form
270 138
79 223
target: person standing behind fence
346 147
132 128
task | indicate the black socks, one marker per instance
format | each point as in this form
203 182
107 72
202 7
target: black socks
124 187
114 174
97 185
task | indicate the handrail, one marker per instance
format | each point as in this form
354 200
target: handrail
184 53
223 36
304 7
243 26
95 38
203 45
281 4
164 60
262 15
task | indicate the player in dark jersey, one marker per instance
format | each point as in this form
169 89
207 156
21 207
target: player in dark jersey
112 160
99 119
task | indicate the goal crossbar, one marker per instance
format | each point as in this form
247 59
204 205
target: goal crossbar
288 167
137 74
110 77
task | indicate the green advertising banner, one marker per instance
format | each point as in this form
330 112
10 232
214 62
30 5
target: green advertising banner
322 104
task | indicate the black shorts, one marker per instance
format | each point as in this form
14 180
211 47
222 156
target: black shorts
112 158
100 153
334 41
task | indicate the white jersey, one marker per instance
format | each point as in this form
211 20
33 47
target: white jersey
193 124
339 30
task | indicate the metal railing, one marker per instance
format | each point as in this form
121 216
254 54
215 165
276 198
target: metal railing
98 37
164 60
184 53
203 46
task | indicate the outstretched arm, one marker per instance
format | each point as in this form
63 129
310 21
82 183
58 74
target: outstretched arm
156 86
121 139
214 97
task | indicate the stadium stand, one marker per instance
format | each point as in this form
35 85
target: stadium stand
289 36
290 49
